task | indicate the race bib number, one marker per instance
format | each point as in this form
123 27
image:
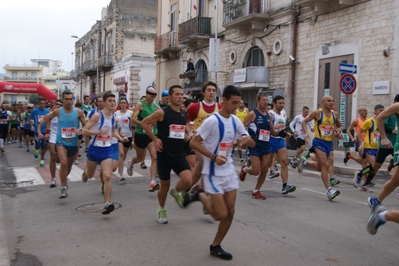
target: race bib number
327 131
125 122
151 128
264 135
225 148
376 137
3 121
177 131
69 132
40 118
103 140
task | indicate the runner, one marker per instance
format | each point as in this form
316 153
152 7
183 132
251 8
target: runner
218 133
52 124
260 127
241 113
278 146
35 118
28 134
169 143
67 136
126 128
326 126
296 127
164 99
20 129
99 103
143 109
13 124
86 107
102 127
371 139
4 118
356 125
379 214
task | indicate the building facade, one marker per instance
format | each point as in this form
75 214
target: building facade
291 48
117 53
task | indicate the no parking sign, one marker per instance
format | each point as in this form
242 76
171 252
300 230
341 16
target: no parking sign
347 84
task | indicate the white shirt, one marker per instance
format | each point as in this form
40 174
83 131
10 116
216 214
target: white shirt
125 122
296 126
209 132
278 119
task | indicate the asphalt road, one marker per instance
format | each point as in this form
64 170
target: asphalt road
303 228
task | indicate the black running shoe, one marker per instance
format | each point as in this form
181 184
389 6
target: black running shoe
217 251
108 208
346 159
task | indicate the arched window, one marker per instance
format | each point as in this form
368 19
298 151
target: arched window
202 72
255 57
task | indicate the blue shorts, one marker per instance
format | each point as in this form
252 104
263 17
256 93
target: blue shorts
40 143
71 150
258 152
324 146
99 154
115 152
357 145
276 144
372 152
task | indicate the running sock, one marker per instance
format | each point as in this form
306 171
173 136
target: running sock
381 216
366 170
328 189
284 185
255 191
245 170
305 163
369 178
162 208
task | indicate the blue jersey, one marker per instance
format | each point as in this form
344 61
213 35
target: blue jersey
37 116
259 130
24 118
68 123
4 117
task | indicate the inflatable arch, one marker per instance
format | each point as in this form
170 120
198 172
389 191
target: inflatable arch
28 88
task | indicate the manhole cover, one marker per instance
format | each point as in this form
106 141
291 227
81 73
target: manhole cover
95 207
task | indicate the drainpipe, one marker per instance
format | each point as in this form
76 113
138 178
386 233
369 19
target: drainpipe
293 69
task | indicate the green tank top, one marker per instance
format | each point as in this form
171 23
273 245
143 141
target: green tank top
147 110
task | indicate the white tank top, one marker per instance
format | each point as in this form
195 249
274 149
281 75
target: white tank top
278 119
102 140
113 139
53 130
124 123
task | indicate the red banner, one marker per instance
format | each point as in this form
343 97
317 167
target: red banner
28 88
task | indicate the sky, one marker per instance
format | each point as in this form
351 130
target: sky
32 29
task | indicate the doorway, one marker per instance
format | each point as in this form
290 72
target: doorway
329 78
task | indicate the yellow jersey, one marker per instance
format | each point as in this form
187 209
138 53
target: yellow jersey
241 114
371 133
202 115
324 127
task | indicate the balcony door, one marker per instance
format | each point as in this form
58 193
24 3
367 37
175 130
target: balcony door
329 78
201 8
173 25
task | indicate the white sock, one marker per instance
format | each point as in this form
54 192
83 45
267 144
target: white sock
255 191
162 208
328 189
381 216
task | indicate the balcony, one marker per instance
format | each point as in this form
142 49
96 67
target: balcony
105 62
28 79
89 68
195 83
249 14
251 77
195 32
326 6
166 45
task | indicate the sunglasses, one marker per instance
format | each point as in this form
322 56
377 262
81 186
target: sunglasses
152 93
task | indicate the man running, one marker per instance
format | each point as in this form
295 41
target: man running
217 134
86 107
143 109
356 125
241 112
35 118
102 127
326 127
28 134
277 143
170 145
67 136
379 214
296 127
371 139
164 99
4 117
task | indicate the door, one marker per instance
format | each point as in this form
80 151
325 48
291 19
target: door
173 26
329 77
201 8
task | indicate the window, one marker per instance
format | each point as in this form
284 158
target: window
255 57
14 74
33 74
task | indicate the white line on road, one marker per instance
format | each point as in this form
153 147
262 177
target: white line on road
28 176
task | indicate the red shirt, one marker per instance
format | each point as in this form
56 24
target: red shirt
192 112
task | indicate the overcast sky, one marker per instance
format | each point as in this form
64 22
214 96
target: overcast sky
32 29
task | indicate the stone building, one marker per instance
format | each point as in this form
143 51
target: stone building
288 47
116 54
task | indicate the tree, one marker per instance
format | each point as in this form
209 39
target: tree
34 98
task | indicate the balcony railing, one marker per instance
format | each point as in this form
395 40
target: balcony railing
27 78
233 10
197 81
195 26
105 62
165 41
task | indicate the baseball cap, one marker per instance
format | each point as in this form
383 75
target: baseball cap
30 106
165 93
378 106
